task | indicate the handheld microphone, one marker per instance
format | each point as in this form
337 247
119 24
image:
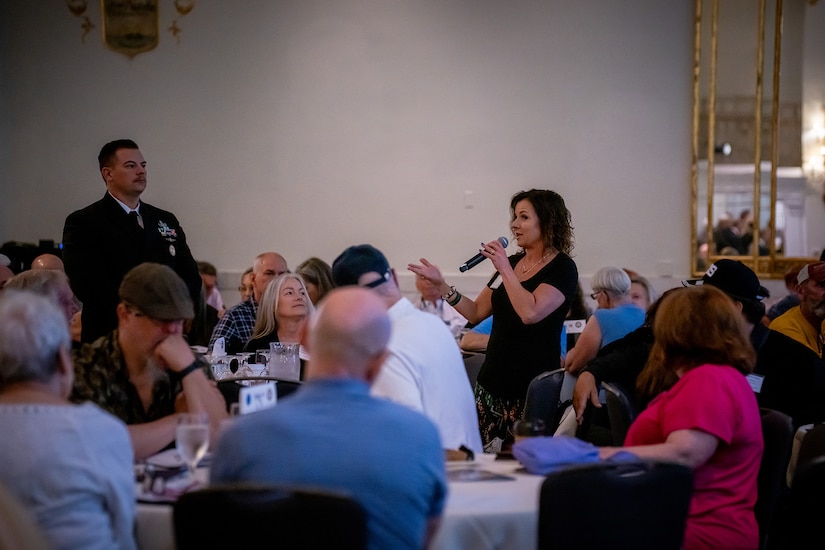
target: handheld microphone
478 258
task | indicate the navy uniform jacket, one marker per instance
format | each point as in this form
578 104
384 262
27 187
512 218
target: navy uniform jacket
101 244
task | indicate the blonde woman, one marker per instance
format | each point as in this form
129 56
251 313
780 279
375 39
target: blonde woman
317 276
285 307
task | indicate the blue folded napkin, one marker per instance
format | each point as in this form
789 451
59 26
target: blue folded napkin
542 455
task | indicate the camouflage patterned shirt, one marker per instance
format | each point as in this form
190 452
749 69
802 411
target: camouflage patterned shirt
101 377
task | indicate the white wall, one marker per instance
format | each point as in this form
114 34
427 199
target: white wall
307 126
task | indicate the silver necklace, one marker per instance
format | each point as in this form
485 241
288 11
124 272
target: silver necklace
526 269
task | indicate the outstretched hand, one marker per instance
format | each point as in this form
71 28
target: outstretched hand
427 271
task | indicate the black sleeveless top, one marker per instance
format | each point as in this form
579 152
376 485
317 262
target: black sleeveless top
517 352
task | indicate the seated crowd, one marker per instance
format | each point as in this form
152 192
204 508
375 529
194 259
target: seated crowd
697 362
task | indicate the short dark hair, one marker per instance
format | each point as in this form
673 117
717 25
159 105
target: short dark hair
205 268
107 152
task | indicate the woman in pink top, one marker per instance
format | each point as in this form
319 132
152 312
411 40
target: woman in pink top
709 420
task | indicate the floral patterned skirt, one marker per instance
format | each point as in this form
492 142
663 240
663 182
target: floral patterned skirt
495 419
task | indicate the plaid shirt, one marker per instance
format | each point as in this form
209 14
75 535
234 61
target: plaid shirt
100 376
236 326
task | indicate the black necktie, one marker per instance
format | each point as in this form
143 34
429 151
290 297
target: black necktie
133 216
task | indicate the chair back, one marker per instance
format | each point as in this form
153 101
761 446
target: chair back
806 506
543 399
811 444
620 411
778 433
241 516
472 363
641 505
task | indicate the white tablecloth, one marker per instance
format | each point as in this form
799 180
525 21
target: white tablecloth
479 515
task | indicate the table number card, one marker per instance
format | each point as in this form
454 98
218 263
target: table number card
257 397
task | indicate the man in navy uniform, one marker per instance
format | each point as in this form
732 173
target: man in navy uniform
103 241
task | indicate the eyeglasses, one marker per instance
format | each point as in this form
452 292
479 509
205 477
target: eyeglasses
157 322
595 294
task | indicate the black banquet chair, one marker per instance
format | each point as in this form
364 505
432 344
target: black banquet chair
248 516
640 505
620 411
778 433
543 399
473 361
806 508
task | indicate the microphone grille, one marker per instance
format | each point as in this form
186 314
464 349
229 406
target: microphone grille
504 242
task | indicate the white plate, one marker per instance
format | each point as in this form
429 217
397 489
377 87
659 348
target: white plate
171 459
166 459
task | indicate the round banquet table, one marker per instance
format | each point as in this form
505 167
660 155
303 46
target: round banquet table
480 514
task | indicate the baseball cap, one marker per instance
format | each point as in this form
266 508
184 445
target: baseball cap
156 290
734 279
814 271
358 260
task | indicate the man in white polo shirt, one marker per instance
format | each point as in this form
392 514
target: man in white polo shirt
425 369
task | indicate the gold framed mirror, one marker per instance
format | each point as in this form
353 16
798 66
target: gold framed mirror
748 185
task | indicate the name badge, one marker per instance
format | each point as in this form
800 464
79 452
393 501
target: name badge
755 381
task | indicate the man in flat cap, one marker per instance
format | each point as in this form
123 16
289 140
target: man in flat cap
144 371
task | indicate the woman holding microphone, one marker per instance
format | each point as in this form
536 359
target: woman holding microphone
528 296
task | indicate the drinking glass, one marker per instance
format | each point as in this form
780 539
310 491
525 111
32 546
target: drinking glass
262 358
220 368
244 363
192 439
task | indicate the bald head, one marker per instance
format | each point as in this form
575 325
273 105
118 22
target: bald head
48 261
348 335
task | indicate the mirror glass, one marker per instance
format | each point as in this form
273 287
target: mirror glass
748 185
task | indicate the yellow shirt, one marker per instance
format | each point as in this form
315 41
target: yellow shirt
793 325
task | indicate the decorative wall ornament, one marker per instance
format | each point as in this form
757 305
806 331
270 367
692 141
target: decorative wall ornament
78 8
183 7
129 26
